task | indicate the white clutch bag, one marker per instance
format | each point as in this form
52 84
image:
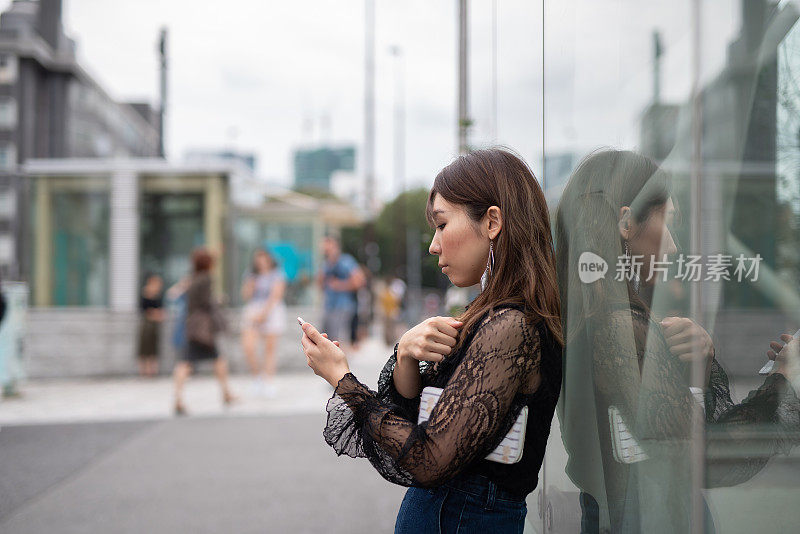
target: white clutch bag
624 447
510 449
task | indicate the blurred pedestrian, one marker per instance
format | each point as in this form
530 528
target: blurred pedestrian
339 278
391 298
2 303
203 322
151 308
362 317
177 296
264 318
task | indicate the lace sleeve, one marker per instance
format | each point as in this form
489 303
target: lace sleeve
387 392
503 356
649 386
641 379
743 437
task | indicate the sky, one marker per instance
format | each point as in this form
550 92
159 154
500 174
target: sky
255 75
266 76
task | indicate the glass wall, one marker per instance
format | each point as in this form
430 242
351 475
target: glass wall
676 230
71 244
80 248
171 226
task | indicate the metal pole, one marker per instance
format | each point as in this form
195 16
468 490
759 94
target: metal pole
399 119
369 108
371 251
544 111
463 118
399 157
494 71
657 53
162 52
697 378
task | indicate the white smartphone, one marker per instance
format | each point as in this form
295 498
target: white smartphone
770 365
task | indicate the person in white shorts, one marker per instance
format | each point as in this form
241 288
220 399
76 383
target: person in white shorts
263 318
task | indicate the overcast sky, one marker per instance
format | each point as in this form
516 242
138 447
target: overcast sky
254 75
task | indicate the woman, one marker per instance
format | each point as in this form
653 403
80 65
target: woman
502 354
627 373
264 317
151 307
177 297
203 323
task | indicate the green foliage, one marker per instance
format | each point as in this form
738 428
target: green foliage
405 211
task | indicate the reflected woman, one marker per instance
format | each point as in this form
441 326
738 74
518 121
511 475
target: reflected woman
503 354
627 405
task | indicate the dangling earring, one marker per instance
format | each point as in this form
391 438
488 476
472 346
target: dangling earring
489 267
634 276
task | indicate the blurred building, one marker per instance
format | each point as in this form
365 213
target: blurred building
314 167
247 159
750 162
50 107
98 225
659 126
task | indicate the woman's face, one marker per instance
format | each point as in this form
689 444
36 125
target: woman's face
652 239
462 249
262 262
155 284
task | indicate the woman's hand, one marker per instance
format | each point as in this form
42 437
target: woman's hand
324 357
247 288
263 314
688 341
786 356
429 341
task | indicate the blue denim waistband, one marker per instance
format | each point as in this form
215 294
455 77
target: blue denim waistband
483 488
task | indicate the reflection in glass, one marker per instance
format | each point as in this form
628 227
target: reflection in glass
616 207
738 196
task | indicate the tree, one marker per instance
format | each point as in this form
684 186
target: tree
406 210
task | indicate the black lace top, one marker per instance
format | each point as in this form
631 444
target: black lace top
503 365
635 372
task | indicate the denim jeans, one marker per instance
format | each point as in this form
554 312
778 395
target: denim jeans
466 504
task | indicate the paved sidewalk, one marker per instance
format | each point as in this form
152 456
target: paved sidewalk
120 399
256 474
107 455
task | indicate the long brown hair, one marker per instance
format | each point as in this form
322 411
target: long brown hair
587 220
524 271
258 252
202 260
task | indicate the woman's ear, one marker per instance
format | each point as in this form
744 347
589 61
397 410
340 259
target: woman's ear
625 222
494 221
